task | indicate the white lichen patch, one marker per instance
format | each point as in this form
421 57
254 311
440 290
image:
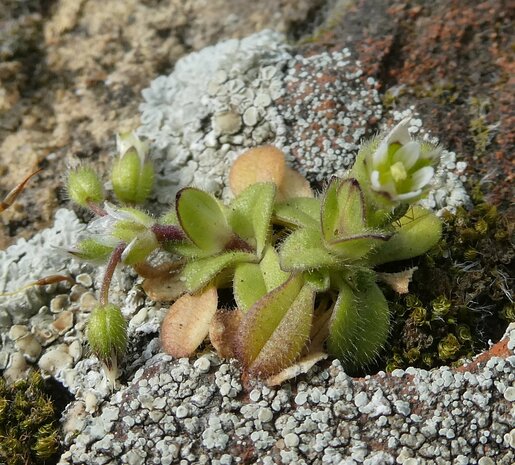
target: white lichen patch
242 93
194 416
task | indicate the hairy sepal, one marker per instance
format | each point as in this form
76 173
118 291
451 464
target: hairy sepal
200 272
275 330
359 325
416 232
250 214
203 219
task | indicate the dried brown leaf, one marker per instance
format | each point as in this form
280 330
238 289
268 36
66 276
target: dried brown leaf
164 284
294 185
187 322
259 164
299 368
399 282
223 330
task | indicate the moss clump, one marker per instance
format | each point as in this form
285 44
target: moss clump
463 290
28 423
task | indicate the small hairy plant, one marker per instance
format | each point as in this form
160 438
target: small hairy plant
300 268
28 423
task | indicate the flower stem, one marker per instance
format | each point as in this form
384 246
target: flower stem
111 266
96 209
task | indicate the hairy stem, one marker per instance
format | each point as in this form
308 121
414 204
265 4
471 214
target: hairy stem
111 266
96 209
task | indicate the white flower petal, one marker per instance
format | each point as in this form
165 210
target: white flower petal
407 195
129 248
374 179
127 140
400 133
380 155
408 154
101 225
116 213
422 177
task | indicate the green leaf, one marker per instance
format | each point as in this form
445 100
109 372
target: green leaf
248 285
198 273
343 210
359 325
319 280
416 233
252 281
301 212
250 213
329 213
356 247
273 275
275 330
202 218
303 250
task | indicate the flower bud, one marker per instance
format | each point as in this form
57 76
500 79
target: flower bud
84 186
107 333
132 175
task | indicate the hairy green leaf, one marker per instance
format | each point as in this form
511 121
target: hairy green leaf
203 219
250 213
301 212
303 250
359 325
416 233
273 275
276 328
248 285
198 273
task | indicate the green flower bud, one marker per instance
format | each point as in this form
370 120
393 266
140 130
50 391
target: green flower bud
132 175
84 186
107 333
448 347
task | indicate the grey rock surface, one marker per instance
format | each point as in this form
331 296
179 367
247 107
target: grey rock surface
197 412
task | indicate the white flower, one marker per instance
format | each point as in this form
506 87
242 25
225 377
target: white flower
402 168
128 140
125 225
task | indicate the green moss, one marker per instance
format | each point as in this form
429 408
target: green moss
28 423
480 130
463 290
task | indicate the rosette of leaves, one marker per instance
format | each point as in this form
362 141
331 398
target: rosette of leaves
300 269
